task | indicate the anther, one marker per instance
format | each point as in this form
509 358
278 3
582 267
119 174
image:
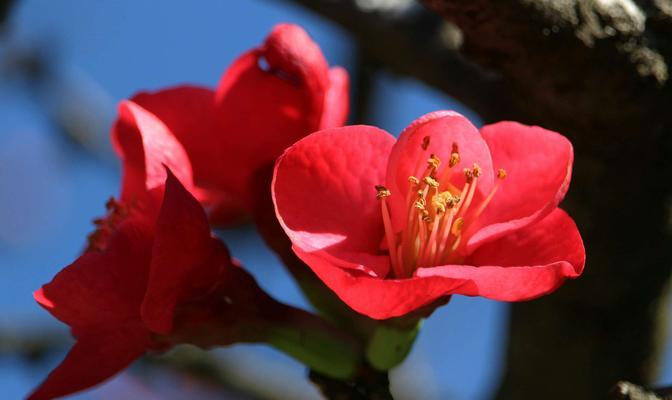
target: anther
454 159
434 162
451 201
413 180
469 174
439 203
431 181
476 170
425 215
382 192
501 173
425 142
454 156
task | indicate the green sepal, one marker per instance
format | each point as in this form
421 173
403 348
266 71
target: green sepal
389 345
328 353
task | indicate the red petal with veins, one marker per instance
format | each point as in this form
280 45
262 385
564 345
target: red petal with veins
325 197
538 165
409 159
523 265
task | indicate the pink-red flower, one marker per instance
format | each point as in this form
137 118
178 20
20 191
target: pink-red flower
152 277
215 141
391 226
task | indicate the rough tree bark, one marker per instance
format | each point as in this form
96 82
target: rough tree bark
628 391
597 71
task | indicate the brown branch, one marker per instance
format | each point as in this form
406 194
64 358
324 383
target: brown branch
367 385
577 63
412 41
629 391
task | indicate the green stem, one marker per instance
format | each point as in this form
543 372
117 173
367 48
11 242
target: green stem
314 342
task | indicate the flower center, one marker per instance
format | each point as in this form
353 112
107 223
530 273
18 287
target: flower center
438 214
116 213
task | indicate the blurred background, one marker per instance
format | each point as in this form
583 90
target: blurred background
63 68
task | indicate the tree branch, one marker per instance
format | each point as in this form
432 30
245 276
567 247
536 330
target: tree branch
629 391
408 40
577 63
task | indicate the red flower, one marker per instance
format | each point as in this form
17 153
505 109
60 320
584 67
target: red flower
153 276
447 220
223 137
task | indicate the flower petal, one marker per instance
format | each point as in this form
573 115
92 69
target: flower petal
102 288
263 111
325 197
444 128
145 145
538 164
523 265
93 359
380 298
189 114
186 260
335 111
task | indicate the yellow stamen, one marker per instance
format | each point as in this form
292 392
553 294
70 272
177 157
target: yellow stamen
431 181
476 170
469 175
454 159
425 215
382 192
443 237
434 162
454 156
501 175
420 204
439 202
440 216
